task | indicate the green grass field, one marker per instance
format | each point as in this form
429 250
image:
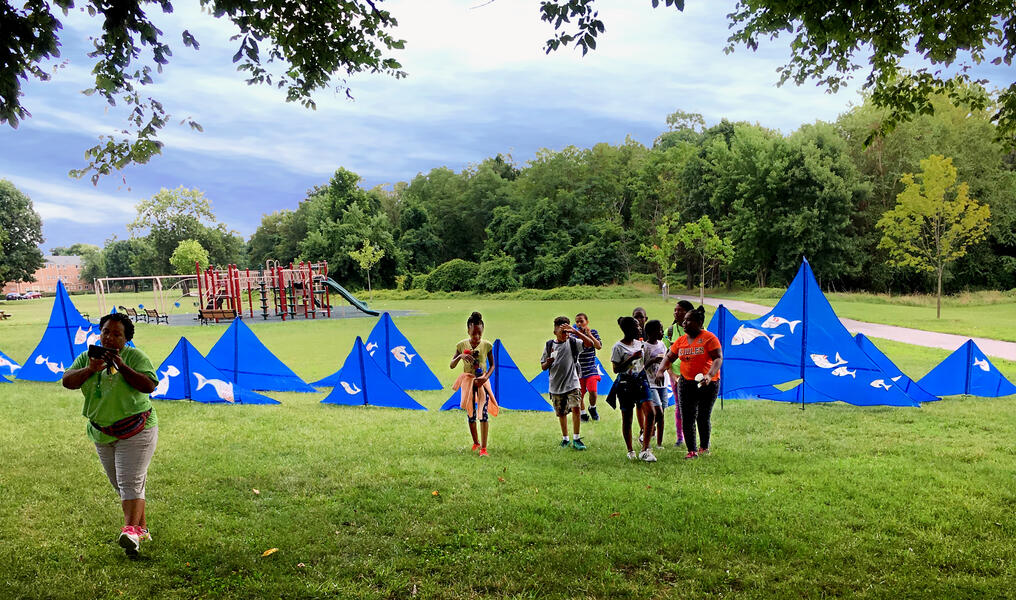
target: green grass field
830 501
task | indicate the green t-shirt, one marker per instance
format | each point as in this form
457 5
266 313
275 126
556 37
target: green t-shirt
673 332
480 353
109 398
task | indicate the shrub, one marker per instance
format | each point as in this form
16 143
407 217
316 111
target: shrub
419 282
497 275
455 275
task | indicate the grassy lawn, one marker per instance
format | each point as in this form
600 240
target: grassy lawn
981 314
829 501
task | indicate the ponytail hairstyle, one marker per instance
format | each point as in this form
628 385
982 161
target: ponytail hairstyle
474 319
698 315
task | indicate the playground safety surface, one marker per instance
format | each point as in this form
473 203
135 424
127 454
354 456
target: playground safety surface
338 312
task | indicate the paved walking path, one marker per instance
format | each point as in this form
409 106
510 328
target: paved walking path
918 337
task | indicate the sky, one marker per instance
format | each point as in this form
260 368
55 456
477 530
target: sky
479 84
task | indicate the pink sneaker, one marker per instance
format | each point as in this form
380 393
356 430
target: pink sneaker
691 455
129 540
475 447
483 453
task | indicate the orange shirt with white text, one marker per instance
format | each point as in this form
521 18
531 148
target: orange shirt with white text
694 353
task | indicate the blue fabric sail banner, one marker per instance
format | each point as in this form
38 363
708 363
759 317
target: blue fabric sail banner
511 388
187 375
240 356
4 379
8 366
67 335
541 383
967 371
801 339
361 381
401 362
895 374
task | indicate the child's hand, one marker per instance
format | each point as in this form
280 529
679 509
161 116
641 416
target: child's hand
550 360
638 354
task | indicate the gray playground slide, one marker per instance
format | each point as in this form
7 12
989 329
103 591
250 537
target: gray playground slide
338 289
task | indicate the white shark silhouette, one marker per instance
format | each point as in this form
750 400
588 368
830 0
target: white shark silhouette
402 355
822 361
879 383
6 363
93 338
350 388
745 335
982 364
223 389
841 371
81 335
371 348
897 378
163 387
52 366
773 322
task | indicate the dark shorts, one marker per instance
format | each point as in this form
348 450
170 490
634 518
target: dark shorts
479 413
564 403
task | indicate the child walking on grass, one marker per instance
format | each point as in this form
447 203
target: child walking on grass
561 358
477 399
589 374
653 353
630 387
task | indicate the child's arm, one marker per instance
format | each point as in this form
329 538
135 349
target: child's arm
587 340
483 378
455 359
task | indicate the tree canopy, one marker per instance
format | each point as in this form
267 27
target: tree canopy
20 235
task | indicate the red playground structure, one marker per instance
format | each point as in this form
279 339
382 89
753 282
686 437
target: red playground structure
284 292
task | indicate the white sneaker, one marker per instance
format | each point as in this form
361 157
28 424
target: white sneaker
128 540
631 455
647 456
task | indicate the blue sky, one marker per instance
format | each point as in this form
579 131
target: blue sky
479 84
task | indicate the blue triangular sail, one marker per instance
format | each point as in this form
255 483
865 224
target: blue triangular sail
4 379
511 388
67 335
896 375
187 375
802 339
396 356
541 383
361 381
242 357
8 366
967 371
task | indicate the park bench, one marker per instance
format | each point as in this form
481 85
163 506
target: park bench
133 314
4 315
209 314
154 314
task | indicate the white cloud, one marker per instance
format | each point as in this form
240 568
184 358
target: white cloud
54 201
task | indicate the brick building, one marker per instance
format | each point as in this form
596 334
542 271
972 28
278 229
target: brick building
67 268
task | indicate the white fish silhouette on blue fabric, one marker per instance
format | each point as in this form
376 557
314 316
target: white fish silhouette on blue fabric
745 335
879 383
982 364
52 366
822 360
371 348
350 388
223 389
402 355
842 371
773 322
163 386
81 335
6 363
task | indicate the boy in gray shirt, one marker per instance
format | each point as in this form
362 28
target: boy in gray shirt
560 356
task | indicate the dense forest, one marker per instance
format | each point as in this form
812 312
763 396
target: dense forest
582 215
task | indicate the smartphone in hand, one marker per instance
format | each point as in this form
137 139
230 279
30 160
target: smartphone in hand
96 351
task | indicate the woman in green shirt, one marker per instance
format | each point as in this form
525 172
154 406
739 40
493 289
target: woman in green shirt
121 421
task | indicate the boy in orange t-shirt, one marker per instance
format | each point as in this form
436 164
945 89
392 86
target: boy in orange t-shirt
701 356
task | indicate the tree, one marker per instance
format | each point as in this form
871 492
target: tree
367 256
662 253
93 264
700 239
833 39
20 235
78 249
187 253
297 46
934 221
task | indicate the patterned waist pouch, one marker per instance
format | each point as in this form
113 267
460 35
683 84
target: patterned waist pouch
127 427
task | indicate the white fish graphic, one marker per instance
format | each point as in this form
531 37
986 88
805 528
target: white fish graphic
982 364
52 366
822 361
350 388
6 363
93 338
745 335
773 322
163 387
371 347
842 371
223 389
402 355
878 383
81 335
897 378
